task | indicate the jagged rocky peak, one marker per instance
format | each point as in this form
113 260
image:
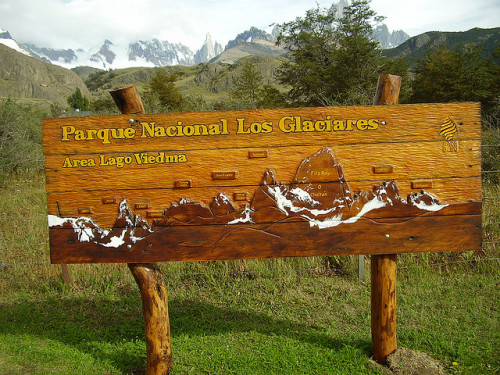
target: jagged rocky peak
160 53
105 53
66 56
221 205
322 177
4 34
275 32
7 40
338 8
389 39
208 50
252 35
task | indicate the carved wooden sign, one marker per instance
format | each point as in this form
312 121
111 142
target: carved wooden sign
264 183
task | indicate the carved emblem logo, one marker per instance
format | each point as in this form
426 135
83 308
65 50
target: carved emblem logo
448 129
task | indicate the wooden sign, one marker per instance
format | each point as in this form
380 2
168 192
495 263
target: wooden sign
264 183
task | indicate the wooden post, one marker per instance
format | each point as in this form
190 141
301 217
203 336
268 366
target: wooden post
127 100
383 267
387 90
155 311
66 277
148 276
383 306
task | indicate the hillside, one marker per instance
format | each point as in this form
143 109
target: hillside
416 47
212 81
25 77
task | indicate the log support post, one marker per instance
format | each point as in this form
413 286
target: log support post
383 306
155 312
384 267
148 276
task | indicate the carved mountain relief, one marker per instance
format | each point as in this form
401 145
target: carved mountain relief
318 199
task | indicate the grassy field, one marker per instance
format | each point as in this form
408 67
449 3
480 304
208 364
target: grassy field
282 316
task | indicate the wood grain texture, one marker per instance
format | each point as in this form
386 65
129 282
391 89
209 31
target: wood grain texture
283 239
383 266
388 88
390 165
156 321
404 123
68 203
423 160
383 305
127 99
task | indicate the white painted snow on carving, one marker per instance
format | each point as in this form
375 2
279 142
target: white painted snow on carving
303 196
86 229
116 241
434 206
286 205
222 198
247 218
84 232
334 221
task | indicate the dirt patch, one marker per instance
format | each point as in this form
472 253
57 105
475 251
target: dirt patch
411 362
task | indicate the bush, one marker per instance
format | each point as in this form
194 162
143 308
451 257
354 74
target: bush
20 139
491 148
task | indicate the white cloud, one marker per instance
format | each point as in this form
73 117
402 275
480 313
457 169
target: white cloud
86 23
416 17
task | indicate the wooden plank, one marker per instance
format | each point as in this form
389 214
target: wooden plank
128 133
66 204
283 239
423 160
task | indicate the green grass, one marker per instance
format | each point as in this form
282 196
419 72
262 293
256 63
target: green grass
278 316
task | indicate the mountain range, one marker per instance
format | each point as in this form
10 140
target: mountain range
157 53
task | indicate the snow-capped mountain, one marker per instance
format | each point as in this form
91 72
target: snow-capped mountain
109 55
253 35
115 56
389 39
6 39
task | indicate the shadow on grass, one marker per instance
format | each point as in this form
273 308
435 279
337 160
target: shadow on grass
111 330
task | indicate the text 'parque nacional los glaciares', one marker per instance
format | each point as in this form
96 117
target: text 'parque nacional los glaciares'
286 124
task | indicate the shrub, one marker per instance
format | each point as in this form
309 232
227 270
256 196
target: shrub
20 138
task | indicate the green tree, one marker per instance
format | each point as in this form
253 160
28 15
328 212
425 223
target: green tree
78 101
246 85
271 97
20 138
161 94
461 74
103 106
333 60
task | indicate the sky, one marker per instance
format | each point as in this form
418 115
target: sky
87 23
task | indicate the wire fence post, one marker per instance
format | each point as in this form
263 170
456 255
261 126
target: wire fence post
361 268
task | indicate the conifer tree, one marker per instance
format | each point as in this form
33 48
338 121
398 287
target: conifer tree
246 86
161 94
333 58
78 101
